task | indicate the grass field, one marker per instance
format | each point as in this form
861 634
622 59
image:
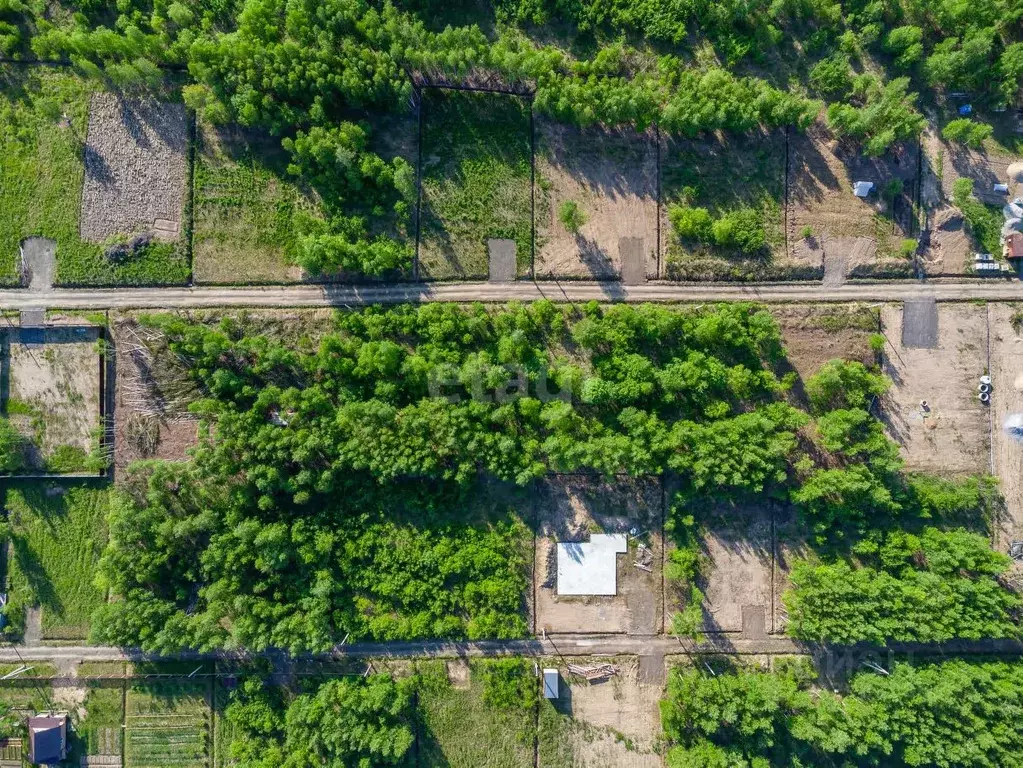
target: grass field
100 731
476 181
167 723
244 209
55 544
461 730
44 115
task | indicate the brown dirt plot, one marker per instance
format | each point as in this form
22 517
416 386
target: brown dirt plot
948 251
572 508
135 168
986 168
1006 399
951 435
54 391
820 196
814 334
611 723
612 176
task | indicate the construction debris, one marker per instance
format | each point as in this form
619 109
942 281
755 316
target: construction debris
595 672
1016 550
644 558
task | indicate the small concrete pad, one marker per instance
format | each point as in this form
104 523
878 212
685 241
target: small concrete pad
39 260
590 568
920 324
630 250
754 621
503 265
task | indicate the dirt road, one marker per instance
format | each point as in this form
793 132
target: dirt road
396 293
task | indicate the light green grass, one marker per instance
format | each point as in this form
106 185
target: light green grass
475 179
44 116
55 545
100 731
460 730
167 723
244 208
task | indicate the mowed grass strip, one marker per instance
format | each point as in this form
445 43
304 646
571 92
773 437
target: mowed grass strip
461 730
244 208
167 724
44 117
476 181
56 541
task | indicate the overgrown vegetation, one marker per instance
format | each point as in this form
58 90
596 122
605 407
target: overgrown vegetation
943 713
983 222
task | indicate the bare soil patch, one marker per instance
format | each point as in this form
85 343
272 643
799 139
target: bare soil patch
611 723
739 548
612 176
135 168
1006 399
951 434
948 249
53 395
573 508
821 174
985 167
816 333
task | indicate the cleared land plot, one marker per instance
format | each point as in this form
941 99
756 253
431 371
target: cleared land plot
724 176
152 392
612 177
476 182
53 396
572 509
950 435
593 725
949 248
167 723
814 334
44 115
986 167
859 236
739 550
57 536
458 729
1007 399
135 168
244 208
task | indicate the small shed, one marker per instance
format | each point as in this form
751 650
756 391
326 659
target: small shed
1013 248
47 739
862 188
550 683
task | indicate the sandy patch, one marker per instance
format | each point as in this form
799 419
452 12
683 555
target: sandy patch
1006 399
54 391
135 168
820 196
612 176
613 723
573 508
952 434
739 549
948 250
985 168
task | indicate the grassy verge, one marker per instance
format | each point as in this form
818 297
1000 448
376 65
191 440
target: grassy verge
460 729
476 181
44 117
55 544
167 723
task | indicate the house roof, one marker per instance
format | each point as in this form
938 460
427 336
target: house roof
1014 246
862 188
47 738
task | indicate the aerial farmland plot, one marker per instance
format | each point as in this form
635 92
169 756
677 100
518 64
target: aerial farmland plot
476 184
168 723
611 179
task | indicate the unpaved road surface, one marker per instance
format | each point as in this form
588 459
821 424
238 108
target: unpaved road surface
397 293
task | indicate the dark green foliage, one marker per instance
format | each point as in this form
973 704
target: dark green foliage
832 77
844 384
952 713
938 586
363 721
879 115
739 230
967 132
983 222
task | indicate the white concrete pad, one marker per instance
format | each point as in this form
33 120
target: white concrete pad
589 568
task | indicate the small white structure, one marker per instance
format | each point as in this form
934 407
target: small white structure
862 188
550 683
1002 188
588 568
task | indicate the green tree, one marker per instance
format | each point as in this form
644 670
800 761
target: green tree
571 216
844 384
968 132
